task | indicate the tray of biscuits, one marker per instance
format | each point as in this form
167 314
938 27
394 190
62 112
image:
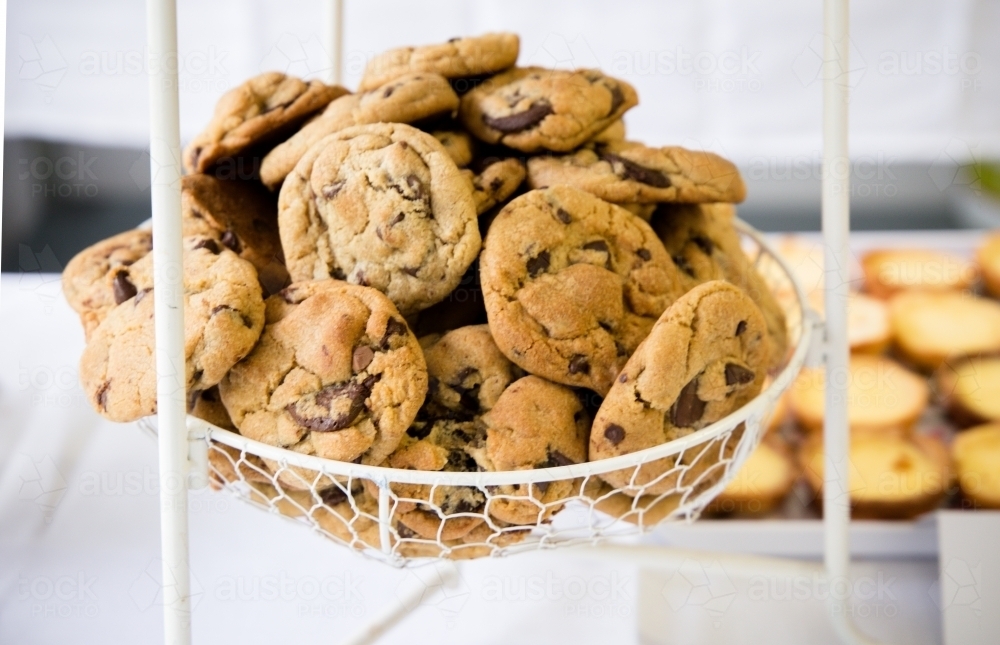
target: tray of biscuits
456 312
923 391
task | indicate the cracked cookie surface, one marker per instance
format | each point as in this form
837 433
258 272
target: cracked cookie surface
704 245
532 108
380 205
458 58
408 99
625 171
706 357
242 215
337 373
260 112
89 280
223 318
572 285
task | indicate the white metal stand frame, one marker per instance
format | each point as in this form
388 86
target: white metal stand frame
182 452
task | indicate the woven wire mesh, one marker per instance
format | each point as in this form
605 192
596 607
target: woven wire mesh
404 517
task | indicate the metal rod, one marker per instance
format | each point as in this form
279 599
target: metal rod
165 172
836 210
333 21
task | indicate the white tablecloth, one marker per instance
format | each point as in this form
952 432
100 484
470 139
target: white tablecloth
79 549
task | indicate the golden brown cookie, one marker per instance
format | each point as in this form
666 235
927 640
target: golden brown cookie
572 285
532 108
706 357
889 477
976 452
988 259
380 205
337 373
930 327
495 183
255 116
882 396
408 99
762 483
623 172
889 271
969 388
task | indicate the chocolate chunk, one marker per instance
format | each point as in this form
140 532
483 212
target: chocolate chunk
598 245
362 357
688 408
355 392
683 264
623 378
419 430
741 327
397 218
123 287
142 294
416 187
392 328
620 349
465 373
704 244
644 254
461 506
579 365
231 242
563 216
632 171
411 271
738 375
461 461
196 376
404 531
520 120
617 98
361 278
102 395
244 319
556 458
333 496
614 433
208 243
538 264
542 486
388 91
330 191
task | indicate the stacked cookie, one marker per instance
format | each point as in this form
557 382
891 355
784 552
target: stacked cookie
454 269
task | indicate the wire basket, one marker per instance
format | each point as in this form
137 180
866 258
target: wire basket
406 517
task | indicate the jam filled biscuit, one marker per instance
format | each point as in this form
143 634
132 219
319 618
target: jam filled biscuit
90 281
256 115
882 396
337 373
622 172
457 59
531 109
977 461
242 215
408 99
572 284
969 388
380 205
706 357
889 271
930 327
891 477
223 318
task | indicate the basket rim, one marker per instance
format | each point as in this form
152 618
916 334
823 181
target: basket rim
751 414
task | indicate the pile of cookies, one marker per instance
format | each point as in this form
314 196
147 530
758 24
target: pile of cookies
923 389
462 266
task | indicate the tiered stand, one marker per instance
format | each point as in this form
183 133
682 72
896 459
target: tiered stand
183 450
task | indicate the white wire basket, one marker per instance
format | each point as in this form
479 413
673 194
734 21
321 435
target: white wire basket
408 517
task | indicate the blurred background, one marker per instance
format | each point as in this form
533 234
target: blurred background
736 77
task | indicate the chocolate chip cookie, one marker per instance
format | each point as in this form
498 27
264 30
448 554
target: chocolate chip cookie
90 280
626 171
457 143
408 99
256 115
336 373
380 205
533 109
706 357
456 59
534 424
704 245
242 215
495 183
613 133
572 284
223 318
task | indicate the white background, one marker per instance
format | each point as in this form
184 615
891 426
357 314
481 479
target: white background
739 77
